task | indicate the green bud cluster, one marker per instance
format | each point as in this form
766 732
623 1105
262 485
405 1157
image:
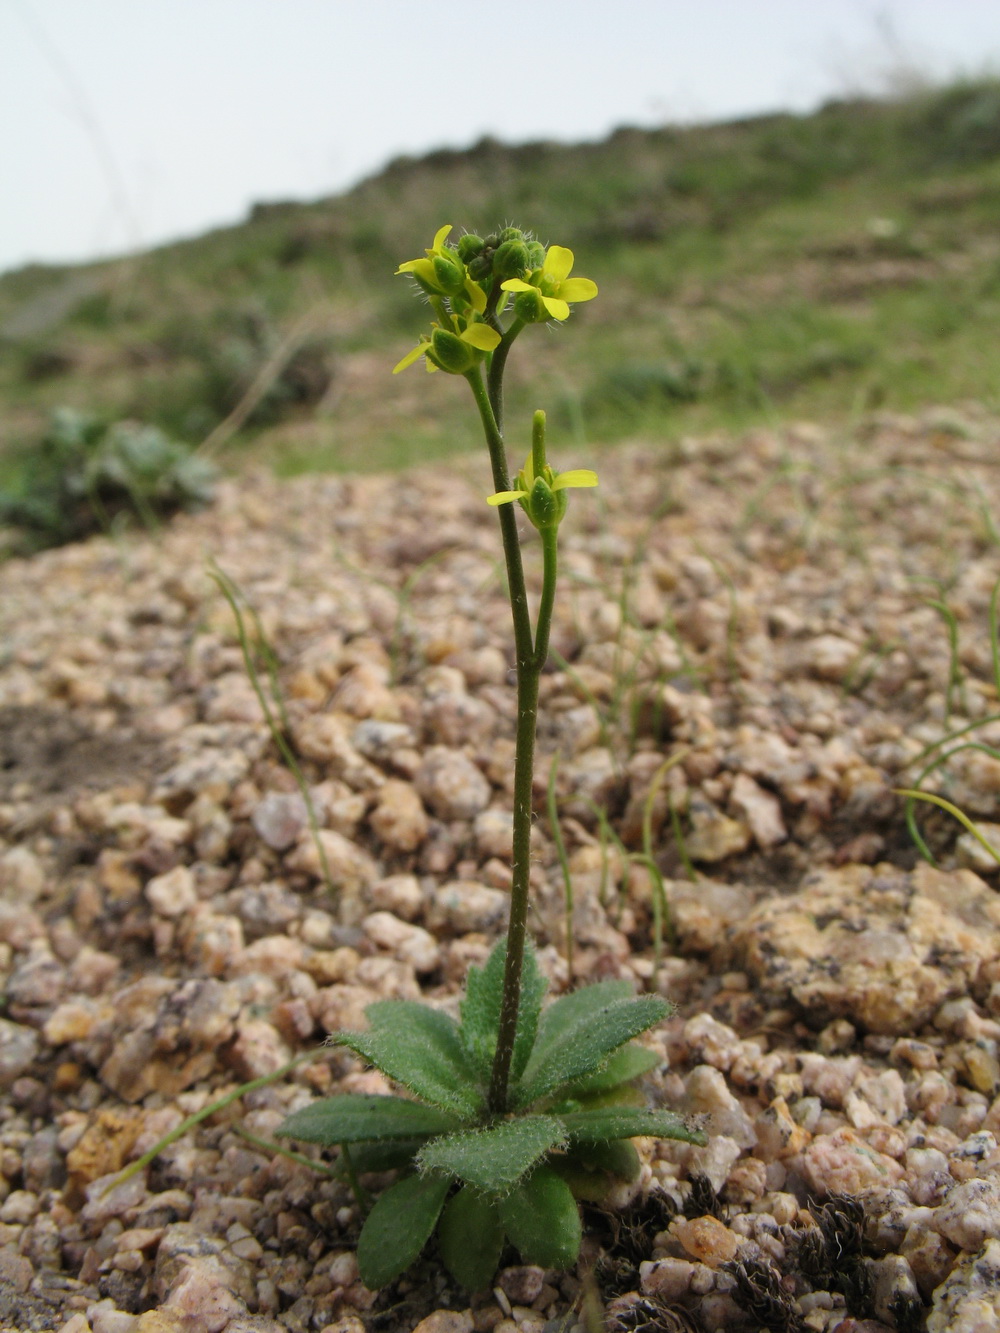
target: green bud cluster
507 253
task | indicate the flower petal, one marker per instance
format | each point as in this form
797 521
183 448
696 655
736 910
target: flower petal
440 234
516 285
476 296
556 308
481 336
504 497
420 268
578 289
410 357
578 476
558 262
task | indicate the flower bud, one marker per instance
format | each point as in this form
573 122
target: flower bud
545 507
536 254
528 307
492 241
511 234
480 268
449 271
511 260
469 246
450 353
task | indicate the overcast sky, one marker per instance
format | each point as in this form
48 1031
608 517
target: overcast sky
124 123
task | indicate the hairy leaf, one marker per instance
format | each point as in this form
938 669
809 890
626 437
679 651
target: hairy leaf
420 1048
625 1122
493 1160
471 1236
565 1012
629 1063
353 1118
381 1155
541 1218
398 1228
583 1045
481 1009
592 1170
618 1158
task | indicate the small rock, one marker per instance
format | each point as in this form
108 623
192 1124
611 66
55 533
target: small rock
970 1214
279 818
843 1163
451 784
760 809
714 836
399 817
172 894
522 1284
969 1300
446 1321
411 944
705 1239
462 906
670 1279
18 1050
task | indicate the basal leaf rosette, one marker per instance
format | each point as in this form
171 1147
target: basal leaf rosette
487 1181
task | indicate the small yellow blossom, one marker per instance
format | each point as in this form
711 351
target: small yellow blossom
539 493
553 283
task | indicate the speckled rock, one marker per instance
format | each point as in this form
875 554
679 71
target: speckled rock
970 1214
399 817
18 1050
969 1300
901 943
451 784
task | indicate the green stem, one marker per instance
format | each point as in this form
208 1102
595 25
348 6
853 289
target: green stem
528 671
498 361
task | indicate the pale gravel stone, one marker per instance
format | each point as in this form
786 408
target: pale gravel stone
970 1213
280 818
18 1050
451 784
411 943
172 894
969 1300
399 818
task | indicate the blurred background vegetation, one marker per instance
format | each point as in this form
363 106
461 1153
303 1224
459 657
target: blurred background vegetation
808 266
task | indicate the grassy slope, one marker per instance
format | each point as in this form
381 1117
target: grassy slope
786 265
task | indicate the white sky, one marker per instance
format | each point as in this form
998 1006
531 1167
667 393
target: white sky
124 123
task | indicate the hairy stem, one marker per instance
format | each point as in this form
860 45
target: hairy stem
528 671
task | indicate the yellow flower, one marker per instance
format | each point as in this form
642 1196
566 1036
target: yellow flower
442 272
540 495
555 287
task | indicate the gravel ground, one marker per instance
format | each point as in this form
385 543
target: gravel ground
757 610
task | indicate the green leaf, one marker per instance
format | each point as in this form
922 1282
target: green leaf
471 1236
631 1062
625 1122
541 1218
481 1009
617 1158
592 1170
398 1228
353 1118
382 1155
420 1048
564 1013
495 1159
582 1044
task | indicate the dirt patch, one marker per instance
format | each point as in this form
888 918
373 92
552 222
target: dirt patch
48 750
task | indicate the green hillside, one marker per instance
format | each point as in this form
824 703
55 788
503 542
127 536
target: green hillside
786 265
